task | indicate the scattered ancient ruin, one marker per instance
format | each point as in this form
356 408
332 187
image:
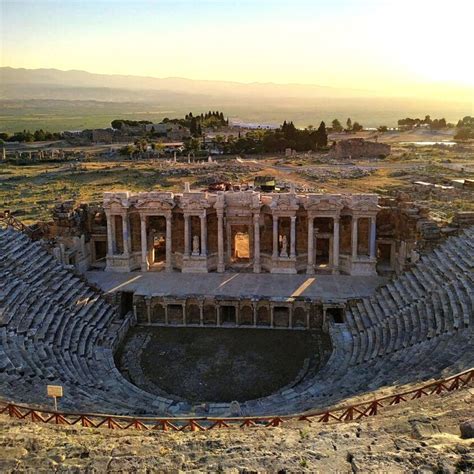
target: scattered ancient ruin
356 148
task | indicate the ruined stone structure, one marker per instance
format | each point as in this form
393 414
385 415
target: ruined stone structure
56 329
248 231
355 148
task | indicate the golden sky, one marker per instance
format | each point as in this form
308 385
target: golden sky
393 47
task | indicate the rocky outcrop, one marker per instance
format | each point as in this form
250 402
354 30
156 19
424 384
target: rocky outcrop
377 444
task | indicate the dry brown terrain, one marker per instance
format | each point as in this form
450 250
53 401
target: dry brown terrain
30 190
422 436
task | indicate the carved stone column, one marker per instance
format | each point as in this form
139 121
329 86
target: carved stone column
293 237
256 243
201 313
254 307
335 246
110 235
187 238
373 232
220 241
144 243
272 315
148 309
275 237
126 235
310 266
354 236
203 235
169 263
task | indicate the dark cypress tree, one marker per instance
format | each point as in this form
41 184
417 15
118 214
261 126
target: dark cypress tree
321 136
193 126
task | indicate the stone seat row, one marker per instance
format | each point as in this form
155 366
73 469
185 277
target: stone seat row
56 329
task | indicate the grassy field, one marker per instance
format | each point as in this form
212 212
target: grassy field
59 115
32 190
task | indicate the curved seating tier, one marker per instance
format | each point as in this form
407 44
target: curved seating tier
56 329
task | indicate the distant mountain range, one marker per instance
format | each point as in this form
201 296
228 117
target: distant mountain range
54 84
64 100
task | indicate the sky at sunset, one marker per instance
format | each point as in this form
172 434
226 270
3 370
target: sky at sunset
393 47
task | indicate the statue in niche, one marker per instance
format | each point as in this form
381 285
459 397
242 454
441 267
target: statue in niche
414 256
196 245
284 247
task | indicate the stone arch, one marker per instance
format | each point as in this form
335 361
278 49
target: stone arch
210 314
175 314
246 315
281 316
316 317
142 316
193 314
299 317
263 316
158 314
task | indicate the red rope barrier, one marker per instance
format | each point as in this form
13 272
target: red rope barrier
337 414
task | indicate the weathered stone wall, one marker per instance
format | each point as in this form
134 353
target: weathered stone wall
355 148
408 225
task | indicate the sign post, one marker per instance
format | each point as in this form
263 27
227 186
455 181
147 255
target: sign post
55 391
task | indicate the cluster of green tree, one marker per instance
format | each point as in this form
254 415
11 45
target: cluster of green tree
27 136
288 136
140 146
270 141
465 129
210 119
336 126
196 123
436 124
119 123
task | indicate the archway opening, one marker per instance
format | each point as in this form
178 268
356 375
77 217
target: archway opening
228 315
241 247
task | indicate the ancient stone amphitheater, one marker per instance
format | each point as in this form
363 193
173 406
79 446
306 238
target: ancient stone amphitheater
57 329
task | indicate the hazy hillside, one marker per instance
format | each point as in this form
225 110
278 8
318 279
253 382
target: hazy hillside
13 78
64 100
